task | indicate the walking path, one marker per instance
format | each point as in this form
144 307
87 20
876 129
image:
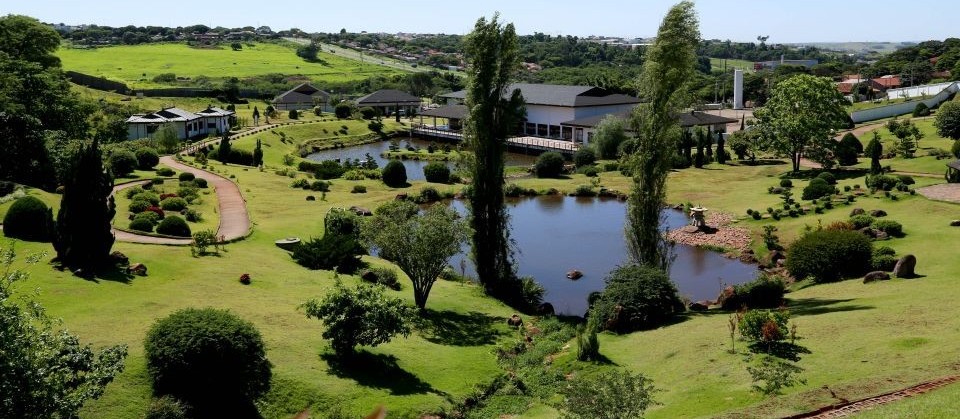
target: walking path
949 192
848 409
234 220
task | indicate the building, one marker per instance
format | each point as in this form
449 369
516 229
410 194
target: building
210 121
388 101
586 127
304 96
550 106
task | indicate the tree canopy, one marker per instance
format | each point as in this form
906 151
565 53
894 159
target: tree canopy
947 120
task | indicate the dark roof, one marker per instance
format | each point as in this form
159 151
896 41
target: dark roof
304 93
449 112
954 165
560 95
687 119
388 97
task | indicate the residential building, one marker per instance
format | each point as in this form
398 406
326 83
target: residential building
304 96
210 121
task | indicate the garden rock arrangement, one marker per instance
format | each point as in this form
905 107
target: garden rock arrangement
721 234
875 276
905 267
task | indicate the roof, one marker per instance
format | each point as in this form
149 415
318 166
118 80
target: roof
176 115
449 112
388 97
687 119
954 165
303 93
888 81
561 95
215 111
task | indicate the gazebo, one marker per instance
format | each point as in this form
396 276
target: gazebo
389 101
953 172
454 114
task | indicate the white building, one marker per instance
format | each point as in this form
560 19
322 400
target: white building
688 120
210 121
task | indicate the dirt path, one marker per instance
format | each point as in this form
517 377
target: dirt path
234 221
851 408
949 192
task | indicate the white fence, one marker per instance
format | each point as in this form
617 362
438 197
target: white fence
904 108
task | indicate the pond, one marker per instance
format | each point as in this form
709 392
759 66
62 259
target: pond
414 167
555 234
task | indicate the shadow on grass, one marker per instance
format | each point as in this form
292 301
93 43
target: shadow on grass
458 329
110 273
761 162
377 371
815 306
783 350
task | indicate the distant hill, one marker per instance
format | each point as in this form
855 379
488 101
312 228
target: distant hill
857 47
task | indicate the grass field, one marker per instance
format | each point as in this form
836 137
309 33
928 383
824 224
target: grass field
717 64
137 65
942 403
923 162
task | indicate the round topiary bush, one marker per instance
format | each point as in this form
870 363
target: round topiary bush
786 183
207 358
394 174
173 204
28 219
147 158
367 112
150 197
636 297
165 171
549 164
138 206
921 110
122 162
818 188
829 255
200 182
436 173
584 157
174 226
890 227
861 220
186 177
828 177
141 224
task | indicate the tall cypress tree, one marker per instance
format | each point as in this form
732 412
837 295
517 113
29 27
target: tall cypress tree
83 237
493 58
223 151
258 154
668 67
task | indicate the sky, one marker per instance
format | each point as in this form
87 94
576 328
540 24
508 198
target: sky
738 20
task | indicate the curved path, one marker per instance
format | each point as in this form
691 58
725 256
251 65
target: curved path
234 221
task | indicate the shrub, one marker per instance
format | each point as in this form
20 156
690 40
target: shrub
28 218
786 183
394 174
137 207
188 193
150 197
332 251
367 112
327 169
549 164
293 114
300 184
155 210
818 188
906 180
383 276
341 222
147 158
436 173
584 190
636 298
208 358
122 162
921 110
829 255
881 262
513 190
828 177
186 177
174 226
764 292
359 316
882 182
131 192
861 221
755 325
427 195
150 216
142 224
154 181
165 171
617 393
320 186
590 171
585 156
200 182
358 189
890 227
342 110
173 204
193 215
166 407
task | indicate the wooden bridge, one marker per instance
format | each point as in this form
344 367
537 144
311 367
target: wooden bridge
523 144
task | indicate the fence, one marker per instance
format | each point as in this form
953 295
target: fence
903 108
98 83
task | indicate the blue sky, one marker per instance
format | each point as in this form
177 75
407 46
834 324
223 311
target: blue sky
739 20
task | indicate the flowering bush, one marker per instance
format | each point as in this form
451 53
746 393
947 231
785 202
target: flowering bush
245 279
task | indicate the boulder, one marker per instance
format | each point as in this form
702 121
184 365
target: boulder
905 267
401 197
369 276
515 321
138 269
574 274
880 235
119 258
878 213
774 258
725 295
748 257
361 211
545 309
955 223
697 306
875 276
857 211
869 232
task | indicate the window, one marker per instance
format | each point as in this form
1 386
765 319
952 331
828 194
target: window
152 129
578 136
211 125
554 131
530 128
567 133
541 129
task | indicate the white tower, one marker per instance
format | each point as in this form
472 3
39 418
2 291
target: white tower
738 89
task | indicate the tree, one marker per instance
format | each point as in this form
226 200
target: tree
420 245
83 238
801 116
236 46
394 174
874 150
908 136
947 120
223 151
610 395
293 114
147 158
123 162
668 67
167 138
636 297
258 154
256 115
609 134
492 54
359 316
721 152
309 52
47 372
848 149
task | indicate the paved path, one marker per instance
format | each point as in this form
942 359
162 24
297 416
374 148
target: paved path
949 192
234 220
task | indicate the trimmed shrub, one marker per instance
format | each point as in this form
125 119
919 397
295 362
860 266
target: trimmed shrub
849 140
921 110
186 177
828 255
436 173
590 171
209 358
427 195
585 156
193 215
300 184
200 182
133 191
166 407
764 292
882 182
549 164
828 177
332 251
173 204
327 169
906 180
890 227
293 114
28 218
383 276
342 110
147 158
884 263
122 162
165 171
358 189
636 298
367 112
320 186
150 197
786 183
818 188
174 226
394 174
861 221
141 224
150 216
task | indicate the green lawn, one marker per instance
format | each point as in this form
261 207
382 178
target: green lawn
941 403
922 162
137 65
717 64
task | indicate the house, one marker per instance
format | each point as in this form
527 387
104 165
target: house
549 106
387 101
586 127
304 96
210 121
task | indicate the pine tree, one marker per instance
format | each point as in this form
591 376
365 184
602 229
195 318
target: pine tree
721 153
83 237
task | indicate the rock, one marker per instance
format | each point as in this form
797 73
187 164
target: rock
545 309
369 276
698 306
119 258
459 195
138 269
515 321
878 213
361 211
678 207
875 276
574 274
748 258
747 251
776 190
955 223
726 294
880 235
781 263
857 211
401 197
690 229
869 232
775 257
905 267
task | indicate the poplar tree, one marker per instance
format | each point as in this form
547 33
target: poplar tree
493 59
83 237
666 71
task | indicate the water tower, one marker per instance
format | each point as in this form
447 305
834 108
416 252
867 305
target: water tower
738 89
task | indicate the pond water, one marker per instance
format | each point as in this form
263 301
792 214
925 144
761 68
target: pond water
414 167
555 234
